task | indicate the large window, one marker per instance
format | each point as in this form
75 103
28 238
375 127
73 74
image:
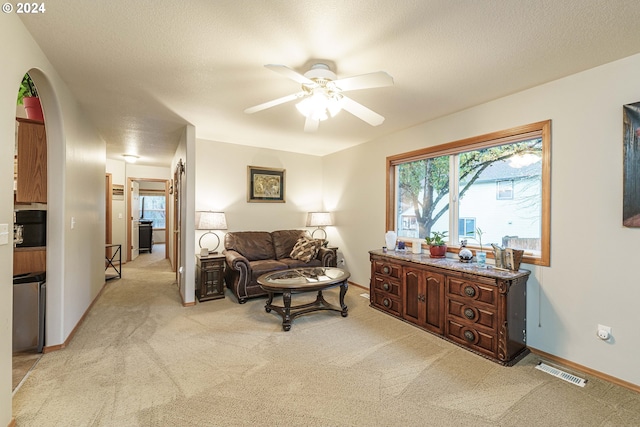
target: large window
498 183
153 207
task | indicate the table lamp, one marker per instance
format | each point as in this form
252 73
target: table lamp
207 220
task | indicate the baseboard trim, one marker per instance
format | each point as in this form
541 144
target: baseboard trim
593 372
357 285
51 348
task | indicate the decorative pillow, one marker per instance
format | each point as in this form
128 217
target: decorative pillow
305 249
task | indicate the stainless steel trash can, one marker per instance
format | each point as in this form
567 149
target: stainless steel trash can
29 297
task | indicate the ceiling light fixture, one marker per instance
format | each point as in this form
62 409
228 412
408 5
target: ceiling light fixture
322 94
130 158
323 99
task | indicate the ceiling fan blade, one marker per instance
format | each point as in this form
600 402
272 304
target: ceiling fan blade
290 74
361 112
311 125
364 81
274 102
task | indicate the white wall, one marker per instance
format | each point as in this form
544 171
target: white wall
76 164
587 284
186 152
221 185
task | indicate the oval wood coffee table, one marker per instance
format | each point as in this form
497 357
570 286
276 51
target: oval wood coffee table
299 280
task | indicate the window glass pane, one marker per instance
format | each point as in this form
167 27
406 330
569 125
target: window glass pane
153 208
515 219
423 197
466 227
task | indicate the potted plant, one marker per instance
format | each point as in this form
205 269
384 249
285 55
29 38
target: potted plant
437 245
28 96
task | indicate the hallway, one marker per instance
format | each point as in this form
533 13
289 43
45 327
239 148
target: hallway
24 362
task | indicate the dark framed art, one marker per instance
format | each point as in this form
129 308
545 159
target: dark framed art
631 167
265 185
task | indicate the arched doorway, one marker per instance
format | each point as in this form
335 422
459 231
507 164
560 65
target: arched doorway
54 206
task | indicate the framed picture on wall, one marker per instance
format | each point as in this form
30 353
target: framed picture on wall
631 178
265 185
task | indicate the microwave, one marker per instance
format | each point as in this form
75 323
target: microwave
34 227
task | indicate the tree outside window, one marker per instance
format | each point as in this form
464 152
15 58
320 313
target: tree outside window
153 208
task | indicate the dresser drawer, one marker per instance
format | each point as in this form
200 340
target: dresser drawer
386 284
387 269
387 303
474 338
468 290
212 265
472 314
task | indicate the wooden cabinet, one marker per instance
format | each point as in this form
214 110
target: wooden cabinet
423 298
385 290
209 277
29 260
480 308
31 173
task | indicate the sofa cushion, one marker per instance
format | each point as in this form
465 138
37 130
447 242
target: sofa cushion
305 249
258 268
253 245
296 263
285 240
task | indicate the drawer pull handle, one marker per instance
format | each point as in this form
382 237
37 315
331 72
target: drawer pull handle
469 313
386 302
469 336
469 291
386 286
386 269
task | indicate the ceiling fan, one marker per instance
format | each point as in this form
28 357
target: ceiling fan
322 94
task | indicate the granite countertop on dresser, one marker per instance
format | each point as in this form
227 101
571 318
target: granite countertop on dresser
453 264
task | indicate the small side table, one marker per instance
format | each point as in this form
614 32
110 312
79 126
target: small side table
110 260
209 277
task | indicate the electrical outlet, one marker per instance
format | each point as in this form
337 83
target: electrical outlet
604 332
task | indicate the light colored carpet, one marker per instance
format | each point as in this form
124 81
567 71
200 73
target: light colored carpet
141 359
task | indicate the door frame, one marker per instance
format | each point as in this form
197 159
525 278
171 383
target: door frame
166 213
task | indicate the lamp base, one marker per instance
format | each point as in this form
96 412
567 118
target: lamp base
214 251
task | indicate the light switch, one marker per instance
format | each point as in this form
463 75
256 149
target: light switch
4 234
73 222
120 215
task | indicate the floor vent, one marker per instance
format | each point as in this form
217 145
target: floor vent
365 295
561 374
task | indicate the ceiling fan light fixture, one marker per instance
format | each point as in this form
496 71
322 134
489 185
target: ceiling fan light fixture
319 106
322 94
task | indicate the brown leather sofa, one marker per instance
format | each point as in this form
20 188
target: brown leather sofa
250 254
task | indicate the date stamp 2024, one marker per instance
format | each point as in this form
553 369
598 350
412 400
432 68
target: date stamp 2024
22 8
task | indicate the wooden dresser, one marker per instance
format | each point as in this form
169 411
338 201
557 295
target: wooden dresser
480 308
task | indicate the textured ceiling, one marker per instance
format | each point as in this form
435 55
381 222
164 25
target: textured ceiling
144 69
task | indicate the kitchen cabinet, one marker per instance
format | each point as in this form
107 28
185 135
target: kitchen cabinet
29 260
31 162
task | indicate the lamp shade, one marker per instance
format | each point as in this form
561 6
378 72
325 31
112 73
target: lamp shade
206 220
319 219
